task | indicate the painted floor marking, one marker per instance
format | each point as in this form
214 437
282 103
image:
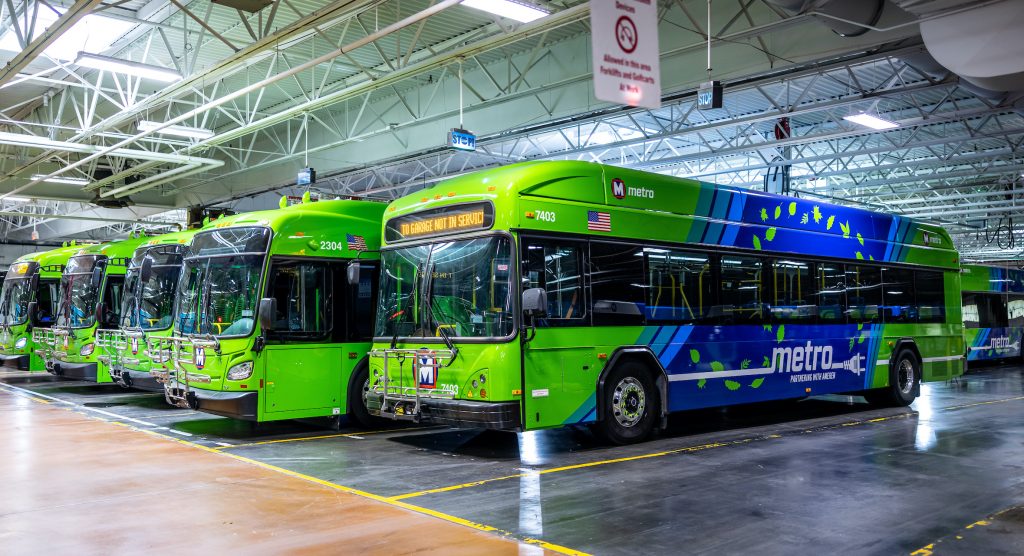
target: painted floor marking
342 488
684 450
356 435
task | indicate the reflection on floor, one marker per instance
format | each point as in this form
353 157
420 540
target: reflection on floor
824 475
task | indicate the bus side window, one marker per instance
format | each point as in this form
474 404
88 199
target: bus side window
898 295
972 314
863 293
303 293
555 266
792 299
678 286
616 284
112 301
47 301
1015 310
830 280
931 296
992 310
740 291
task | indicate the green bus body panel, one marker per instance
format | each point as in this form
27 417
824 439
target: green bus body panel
70 353
563 364
297 380
47 261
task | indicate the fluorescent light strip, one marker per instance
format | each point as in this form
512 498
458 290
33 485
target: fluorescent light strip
107 63
179 130
510 9
867 120
61 179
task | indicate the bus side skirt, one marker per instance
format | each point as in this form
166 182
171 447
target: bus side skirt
647 357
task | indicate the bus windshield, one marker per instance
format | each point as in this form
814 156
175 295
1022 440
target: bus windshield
14 299
149 305
79 291
468 285
219 287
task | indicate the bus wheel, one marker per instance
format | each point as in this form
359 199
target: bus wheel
904 376
631 405
358 388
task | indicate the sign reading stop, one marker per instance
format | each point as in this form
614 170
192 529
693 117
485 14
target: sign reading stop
624 47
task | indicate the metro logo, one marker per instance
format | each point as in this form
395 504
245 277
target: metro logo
427 372
135 346
618 188
812 358
200 358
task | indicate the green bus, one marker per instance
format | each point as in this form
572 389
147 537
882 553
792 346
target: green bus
147 309
89 298
993 308
546 294
31 285
275 313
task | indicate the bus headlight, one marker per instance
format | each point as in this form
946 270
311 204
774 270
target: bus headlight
240 371
86 350
21 343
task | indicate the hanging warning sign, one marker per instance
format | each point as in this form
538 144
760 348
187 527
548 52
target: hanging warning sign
624 47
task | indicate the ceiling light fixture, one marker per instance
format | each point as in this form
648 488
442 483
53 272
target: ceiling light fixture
523 13
118 65
179 130
61 179
874 122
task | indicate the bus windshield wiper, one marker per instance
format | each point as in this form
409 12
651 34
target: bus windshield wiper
432 316
403 311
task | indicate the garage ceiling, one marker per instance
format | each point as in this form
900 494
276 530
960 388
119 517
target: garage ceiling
365 90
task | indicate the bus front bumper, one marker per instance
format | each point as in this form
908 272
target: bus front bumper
454 413
19 362
139 380
78 371
237 405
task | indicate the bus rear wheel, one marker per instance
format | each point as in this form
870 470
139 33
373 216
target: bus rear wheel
359 387
630 405
904 377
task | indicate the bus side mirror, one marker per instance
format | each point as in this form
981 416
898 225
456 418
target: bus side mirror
101 313
535 303
267 311
146 270
353 273
33 314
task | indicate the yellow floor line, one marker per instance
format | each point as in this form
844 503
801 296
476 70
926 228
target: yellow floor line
361 493
688 449
320 437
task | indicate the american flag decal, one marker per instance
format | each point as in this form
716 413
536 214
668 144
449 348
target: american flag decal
356 243
599 221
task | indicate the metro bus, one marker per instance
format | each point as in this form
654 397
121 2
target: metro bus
275 312
546 294
31 285
150 287
993 308
89 299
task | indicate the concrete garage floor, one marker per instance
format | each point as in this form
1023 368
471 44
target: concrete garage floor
824 475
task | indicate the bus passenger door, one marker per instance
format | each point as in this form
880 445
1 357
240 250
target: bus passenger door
302 364
561 344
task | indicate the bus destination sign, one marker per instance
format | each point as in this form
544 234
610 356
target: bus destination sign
441 221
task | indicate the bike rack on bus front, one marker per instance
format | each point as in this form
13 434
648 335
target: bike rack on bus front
171 349
113 342
400 402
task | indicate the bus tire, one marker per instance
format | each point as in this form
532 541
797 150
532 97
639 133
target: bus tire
631 404
904 380
357 388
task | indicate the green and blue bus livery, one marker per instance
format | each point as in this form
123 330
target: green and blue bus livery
32 278
274 313
147 305
993 309
556 293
